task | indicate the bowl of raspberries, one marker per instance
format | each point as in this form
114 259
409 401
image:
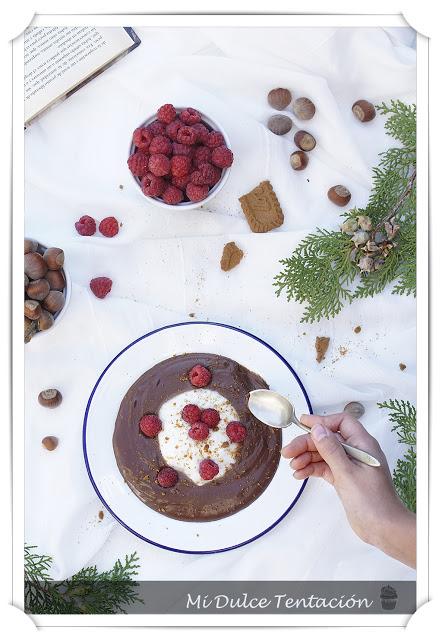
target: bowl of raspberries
179 157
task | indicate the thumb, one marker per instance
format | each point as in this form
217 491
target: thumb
330 449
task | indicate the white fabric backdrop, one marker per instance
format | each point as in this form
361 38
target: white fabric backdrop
166 265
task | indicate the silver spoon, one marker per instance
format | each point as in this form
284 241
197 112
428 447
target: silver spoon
276 411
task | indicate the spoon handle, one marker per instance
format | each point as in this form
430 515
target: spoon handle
353 452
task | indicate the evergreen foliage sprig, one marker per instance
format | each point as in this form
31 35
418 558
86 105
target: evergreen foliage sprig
88 591
324 273
403 416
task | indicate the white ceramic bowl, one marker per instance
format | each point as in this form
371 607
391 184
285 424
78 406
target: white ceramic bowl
213 124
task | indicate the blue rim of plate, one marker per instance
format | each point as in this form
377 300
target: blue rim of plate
126 526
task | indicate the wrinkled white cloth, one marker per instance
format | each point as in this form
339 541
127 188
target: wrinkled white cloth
165 266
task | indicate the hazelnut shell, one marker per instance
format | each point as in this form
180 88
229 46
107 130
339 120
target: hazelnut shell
364 110
54 257
355 409
56 279
38 289
45 321
298 160
54 301
30 245
35 266
304 109
30 328
32 309
304 140
279 124
279 98
50 443
339 195
50 398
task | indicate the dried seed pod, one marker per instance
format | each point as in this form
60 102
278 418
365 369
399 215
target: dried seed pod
32 309
298 160
30 245
54 301
365 223
30 329
35 266
279 98
364 110
38 289
54 257
56 280
304 109
50 443
45 321
349 226
360 238
366 264
279 125
339 195
50 398
304 140
355 409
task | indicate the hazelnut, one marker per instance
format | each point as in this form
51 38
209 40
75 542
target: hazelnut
304 109
38 289
304 140
30 245
279 125
35 266
279 98
54 258
299 160
54 301
355 409
364 110
50 443
339 195
26 280
45 321
56 280
30 329
32 309
50 398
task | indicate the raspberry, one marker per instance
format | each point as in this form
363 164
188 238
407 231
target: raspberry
180 166
202 132
214 139
172 195
172 129
166 113
196 192
138 163
157 128
167 477
100 287
190 116
86 226
236 431
191 413
211 417
142 138
159 164
222 157
152 186
150 425
216 177
160 144
109 227
198 431
181 182
182 149
199 376
205 174
202 154
208 469
186 135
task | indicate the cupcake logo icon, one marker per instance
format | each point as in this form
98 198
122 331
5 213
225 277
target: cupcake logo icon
388 597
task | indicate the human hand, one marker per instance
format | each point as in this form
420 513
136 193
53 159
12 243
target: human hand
371 503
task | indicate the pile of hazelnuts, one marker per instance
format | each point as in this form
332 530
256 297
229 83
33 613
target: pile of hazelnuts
45 286
304 109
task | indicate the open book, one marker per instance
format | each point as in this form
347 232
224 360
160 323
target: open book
59 60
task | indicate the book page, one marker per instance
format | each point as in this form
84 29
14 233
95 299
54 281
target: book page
59 58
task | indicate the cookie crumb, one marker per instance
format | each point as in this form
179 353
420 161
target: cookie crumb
191 315
100 515
357 329
120 186
232 256
402 366
343 351
321 346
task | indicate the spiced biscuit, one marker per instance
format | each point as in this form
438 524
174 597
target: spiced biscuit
232 256
262 209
